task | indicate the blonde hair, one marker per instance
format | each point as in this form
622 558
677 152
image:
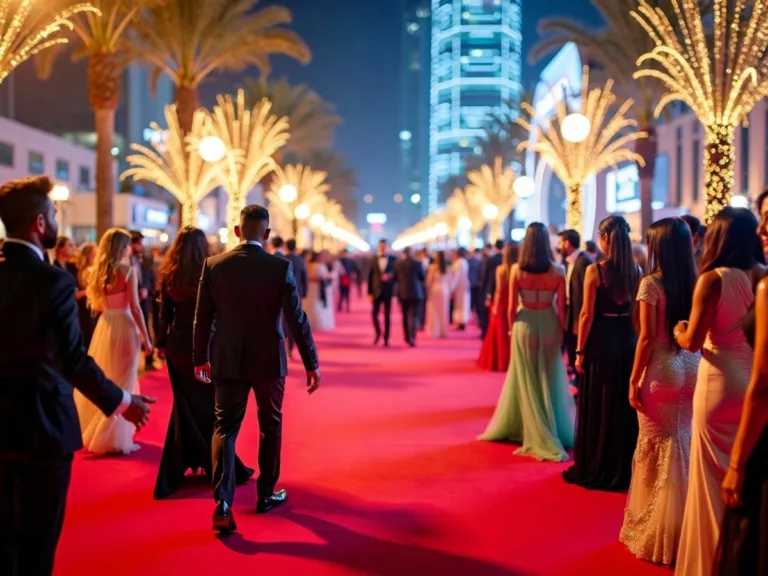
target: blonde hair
82 263
104 275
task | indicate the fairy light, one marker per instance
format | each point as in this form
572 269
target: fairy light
719 71
311 188
607 145
23 36
492 189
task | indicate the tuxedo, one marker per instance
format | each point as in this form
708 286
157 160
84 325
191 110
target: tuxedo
575 274
409 276
43 360
381 291
247 292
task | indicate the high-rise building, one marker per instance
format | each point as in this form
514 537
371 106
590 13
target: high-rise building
414 128
475 72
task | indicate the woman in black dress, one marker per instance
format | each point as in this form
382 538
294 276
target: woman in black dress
606 423
85 315
190 430
744 534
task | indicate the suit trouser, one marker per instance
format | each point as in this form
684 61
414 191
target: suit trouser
410 309
231 399
377 302
343 297
33 497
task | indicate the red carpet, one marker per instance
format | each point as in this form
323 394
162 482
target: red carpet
384 477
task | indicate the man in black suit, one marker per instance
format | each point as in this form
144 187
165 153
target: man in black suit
277 246
246 292
381 282
302 281
351 273
42 359
576 264
489 280
409 276
475 278
147 278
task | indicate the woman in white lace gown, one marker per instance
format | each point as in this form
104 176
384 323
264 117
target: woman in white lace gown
462 295
116 343
724 293
438 297
661 390
319 301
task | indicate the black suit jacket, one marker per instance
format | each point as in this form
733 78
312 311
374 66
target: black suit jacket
376 286
489 275
246 291
300 273
43 359
68 266
576 292
409 275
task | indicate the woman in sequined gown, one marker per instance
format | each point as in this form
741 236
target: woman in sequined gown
661 390
723 295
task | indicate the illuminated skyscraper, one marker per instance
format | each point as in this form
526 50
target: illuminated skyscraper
475 72
414 111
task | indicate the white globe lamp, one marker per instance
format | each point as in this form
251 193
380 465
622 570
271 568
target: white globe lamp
524 187
212 149
288 193
490 212
465 223
316 220
576 127
60 193
441 228
302 212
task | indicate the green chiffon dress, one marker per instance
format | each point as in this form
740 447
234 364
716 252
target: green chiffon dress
535 407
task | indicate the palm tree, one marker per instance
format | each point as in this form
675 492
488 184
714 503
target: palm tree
102 39
495 143
188 40
341 178
312 119
615 49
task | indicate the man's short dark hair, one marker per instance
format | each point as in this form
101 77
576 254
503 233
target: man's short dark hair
572 237
23 200
499 245
591 246
136 236
290 245
407 250
488 246
383 241
277 242
693 223
254 214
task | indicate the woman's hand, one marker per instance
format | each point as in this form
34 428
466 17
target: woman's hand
634 397
580 363
731 488
680 327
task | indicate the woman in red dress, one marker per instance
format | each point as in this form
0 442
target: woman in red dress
496 347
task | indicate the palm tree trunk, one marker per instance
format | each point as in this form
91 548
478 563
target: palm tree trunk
647 148
573 216
186 103
235 203
718 168
497 230
105 180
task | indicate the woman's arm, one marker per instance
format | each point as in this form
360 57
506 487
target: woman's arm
138 316
587 316
754 415
514 294
691 335
560 298
647 301
497 292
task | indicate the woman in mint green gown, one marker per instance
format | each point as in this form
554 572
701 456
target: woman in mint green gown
536 408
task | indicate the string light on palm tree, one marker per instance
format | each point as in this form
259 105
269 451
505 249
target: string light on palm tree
720 71
296 191
170 165
240 141
574 159
492 189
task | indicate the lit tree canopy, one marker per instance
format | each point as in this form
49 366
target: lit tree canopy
32 27
310 188
460 206
720 73
607 144
491 190
170 165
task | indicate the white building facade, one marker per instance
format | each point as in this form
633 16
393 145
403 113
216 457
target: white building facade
679 179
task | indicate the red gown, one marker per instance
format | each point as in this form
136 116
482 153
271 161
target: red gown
496 349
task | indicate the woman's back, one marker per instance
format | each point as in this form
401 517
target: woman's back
538 290
736 298
605 300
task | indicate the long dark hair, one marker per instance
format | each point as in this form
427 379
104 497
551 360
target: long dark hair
511 254
536 255
621 273
184 261
670 254
732 241
440 261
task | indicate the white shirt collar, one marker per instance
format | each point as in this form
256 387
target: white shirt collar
254 243
573 257
29 245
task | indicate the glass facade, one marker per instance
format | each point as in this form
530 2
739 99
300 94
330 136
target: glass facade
475 73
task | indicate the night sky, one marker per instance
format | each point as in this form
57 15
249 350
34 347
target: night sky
356 65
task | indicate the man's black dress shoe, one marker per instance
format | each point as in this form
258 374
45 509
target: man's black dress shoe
277 499
224 518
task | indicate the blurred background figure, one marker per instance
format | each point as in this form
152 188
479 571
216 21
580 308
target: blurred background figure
348 274
438 297
84 265
640 256
319 302
698 231
63 254
590 247
147 279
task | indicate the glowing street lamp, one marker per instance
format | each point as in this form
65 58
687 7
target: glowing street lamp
490 212
212 149
415 198
302 212
288 193
316 220
59 195
524 187
576 127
